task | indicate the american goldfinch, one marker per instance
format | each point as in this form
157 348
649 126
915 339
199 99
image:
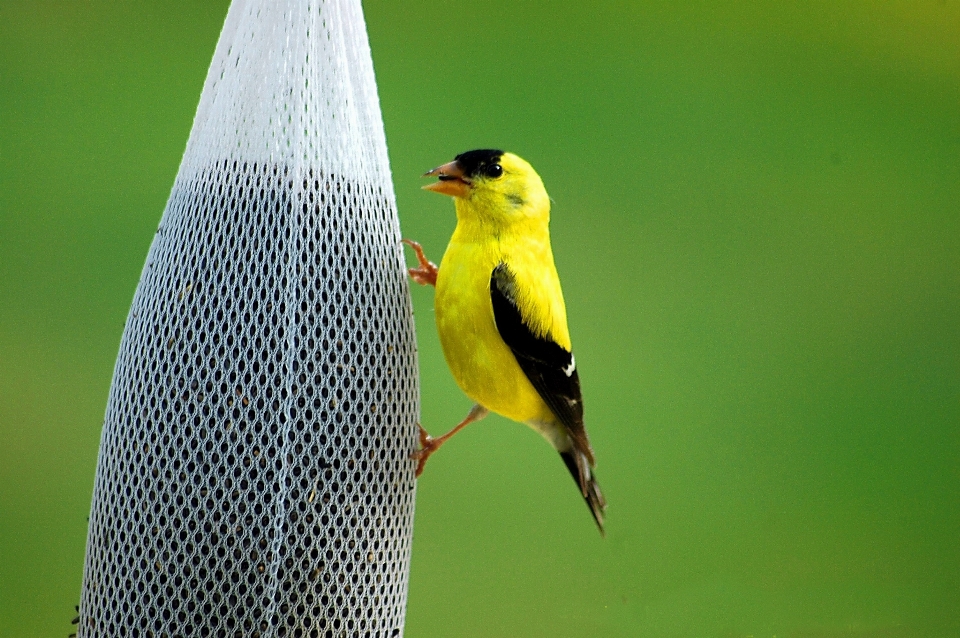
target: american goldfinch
500 311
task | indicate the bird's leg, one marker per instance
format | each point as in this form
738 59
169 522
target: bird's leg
427 272
429 445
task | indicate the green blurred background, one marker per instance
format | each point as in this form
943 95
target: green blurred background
757 223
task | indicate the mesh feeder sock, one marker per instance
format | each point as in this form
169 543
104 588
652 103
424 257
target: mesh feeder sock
255 474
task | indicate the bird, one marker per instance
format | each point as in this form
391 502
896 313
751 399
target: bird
500 312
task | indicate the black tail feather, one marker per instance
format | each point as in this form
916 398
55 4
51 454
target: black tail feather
580 469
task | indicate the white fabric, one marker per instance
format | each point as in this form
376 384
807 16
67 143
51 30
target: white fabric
254 476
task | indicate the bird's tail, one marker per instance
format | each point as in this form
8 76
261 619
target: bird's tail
582 472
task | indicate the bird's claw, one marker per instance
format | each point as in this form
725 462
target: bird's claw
428 445
426 273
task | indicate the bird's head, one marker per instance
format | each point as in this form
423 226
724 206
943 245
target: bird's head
489 183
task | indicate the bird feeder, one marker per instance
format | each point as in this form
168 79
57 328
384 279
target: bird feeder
254 475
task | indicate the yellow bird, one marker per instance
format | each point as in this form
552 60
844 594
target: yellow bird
500 311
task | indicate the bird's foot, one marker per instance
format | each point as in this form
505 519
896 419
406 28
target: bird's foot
428 445
426 273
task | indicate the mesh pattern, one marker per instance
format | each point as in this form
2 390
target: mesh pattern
254 476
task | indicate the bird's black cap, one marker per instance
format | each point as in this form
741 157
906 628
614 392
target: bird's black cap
473 163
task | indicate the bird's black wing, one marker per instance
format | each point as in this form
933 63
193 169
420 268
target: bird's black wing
553 372
551 369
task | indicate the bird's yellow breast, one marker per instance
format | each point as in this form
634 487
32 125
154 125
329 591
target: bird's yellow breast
481 363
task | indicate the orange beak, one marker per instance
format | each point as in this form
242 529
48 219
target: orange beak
452 182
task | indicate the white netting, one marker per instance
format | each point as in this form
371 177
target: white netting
254 476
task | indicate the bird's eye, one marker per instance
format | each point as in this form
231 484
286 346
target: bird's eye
494 170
